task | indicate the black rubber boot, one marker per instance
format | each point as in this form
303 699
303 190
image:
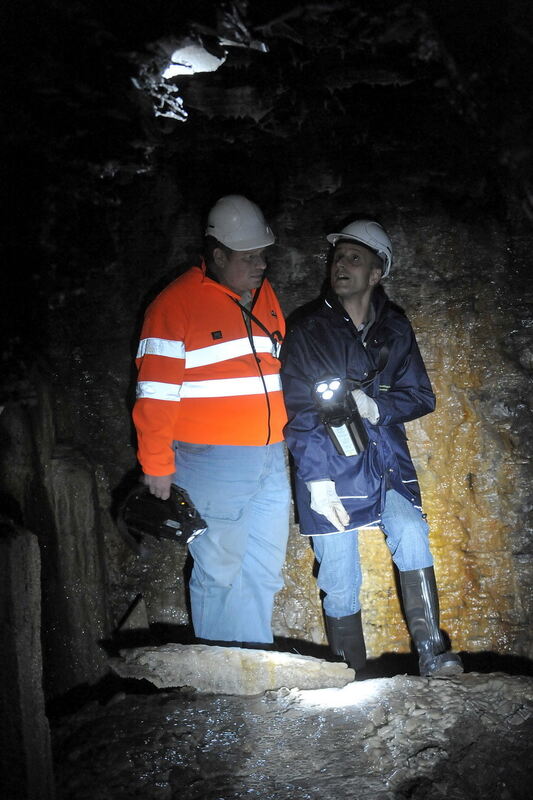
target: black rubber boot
345 636
421 606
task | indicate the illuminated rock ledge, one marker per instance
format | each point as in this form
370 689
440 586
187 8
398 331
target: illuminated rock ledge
228 670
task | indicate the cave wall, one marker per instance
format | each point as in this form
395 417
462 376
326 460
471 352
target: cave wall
383 117
52 487
25 740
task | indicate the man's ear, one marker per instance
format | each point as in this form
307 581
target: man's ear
375 276
219 257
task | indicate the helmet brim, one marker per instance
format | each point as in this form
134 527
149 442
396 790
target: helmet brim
333 238
252 244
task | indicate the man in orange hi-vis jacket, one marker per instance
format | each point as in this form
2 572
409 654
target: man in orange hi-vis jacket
209 417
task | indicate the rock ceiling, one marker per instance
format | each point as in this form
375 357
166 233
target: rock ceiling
444 87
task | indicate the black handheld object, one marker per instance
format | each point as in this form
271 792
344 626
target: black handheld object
142 514
340 415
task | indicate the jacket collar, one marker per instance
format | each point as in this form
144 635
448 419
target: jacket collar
378 301
209 275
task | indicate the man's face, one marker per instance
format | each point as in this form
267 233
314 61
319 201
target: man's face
355 270
241 271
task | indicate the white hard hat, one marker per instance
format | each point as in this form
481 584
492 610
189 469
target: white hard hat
239 224
371 234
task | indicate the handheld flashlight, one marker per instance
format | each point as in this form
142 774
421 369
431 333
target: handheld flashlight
339 413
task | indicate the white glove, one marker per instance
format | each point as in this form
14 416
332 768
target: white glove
325 501
367 406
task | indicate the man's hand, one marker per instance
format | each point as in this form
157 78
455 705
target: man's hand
325 501
367 406
159 485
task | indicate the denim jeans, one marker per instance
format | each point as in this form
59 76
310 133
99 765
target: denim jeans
243 494
339 574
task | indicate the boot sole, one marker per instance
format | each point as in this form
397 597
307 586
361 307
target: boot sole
446 671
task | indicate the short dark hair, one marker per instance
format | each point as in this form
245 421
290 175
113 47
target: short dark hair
210 245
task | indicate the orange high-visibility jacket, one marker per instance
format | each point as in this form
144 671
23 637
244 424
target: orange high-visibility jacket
201 377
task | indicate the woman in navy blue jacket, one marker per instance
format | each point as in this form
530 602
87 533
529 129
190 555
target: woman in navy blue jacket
357 355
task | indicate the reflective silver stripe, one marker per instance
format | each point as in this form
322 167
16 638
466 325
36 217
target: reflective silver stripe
159 391
353 496
230 387
161 347
412 480
226 350
369 526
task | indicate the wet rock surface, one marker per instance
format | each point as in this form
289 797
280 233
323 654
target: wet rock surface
228 670
385 739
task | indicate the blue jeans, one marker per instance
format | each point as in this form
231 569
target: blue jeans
243 494
339 574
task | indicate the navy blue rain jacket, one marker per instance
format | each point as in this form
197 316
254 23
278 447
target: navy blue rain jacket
327 344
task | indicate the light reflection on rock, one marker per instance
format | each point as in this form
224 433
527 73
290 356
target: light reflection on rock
468 738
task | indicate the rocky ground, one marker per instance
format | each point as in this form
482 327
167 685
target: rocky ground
384 739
